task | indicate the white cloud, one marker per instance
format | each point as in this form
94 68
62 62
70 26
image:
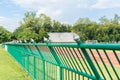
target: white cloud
26 3
85 3
54 13
8 23
2 18
103 4
34 4
56 9
48 7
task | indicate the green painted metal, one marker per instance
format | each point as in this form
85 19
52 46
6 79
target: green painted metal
91 64
57 60
43 70
68 61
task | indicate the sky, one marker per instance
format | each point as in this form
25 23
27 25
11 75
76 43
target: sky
65 11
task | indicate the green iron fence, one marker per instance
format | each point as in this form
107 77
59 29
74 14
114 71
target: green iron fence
68 61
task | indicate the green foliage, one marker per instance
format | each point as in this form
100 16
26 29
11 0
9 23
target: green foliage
42 34
38 27
17 32
116 19
27 34
45 22
108 30
58 27
4 35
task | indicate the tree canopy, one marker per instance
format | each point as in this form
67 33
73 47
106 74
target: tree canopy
38 27
107 30
5 35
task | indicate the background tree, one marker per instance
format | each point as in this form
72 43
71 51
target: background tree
80 27
27 34
5 35
116 19
107 30
38 27
45 22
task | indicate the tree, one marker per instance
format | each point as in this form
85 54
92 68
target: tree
27 34
90 32
60 27
103 20
42 34
30 21
116 19
17 32
80 27
105 31
83 21
4 35
80 30
38 27
55 25
33 27
45 22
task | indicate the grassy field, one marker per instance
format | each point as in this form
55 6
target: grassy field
10 69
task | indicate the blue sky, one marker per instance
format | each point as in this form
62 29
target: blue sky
66 11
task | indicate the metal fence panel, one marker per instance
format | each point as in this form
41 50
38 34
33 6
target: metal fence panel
68 61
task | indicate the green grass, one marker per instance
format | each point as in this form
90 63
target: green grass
10 69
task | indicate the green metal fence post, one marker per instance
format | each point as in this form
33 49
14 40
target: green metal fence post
34 68
24 52
43 62
56 58
85 53
43 67
34 62
61 73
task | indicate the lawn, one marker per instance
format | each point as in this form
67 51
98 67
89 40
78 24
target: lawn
10 69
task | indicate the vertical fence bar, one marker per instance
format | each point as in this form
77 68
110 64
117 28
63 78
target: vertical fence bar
34 68
43 62
61 73
111 64
104 64
56 58
91 64
116 57
43 71
90 61
28 63
97 63
34 62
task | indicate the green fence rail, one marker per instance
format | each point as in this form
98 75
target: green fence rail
68 61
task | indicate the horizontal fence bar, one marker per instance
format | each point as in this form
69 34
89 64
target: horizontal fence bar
83 45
